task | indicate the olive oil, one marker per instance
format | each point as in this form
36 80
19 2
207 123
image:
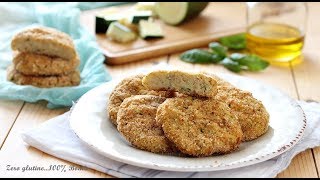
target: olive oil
276 43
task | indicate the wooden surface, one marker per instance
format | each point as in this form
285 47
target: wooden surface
210 25
300 82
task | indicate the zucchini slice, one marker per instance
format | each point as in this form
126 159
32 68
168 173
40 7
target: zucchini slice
105 18
146 6
149 29
175 13
127 21
120 33
141 15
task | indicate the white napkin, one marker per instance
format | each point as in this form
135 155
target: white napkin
56 138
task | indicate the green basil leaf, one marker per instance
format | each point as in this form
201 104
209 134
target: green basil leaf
231 65
199 56
236 42
218 49
252 62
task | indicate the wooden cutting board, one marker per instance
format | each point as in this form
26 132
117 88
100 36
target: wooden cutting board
217 20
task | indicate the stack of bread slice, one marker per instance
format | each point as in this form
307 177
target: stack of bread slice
44 57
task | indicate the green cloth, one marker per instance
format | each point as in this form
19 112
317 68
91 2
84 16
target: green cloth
65 17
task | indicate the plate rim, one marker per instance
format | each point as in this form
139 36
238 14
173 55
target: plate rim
198 168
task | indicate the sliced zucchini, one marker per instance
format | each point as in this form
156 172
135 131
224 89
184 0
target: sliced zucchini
127 21
174 13
101 25
146 6
141 15
149 29
120 33
105 18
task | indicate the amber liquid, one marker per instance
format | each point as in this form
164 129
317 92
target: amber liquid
277 43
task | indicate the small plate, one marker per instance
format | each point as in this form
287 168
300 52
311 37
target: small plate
89 120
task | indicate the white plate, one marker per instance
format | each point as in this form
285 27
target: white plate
287 123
